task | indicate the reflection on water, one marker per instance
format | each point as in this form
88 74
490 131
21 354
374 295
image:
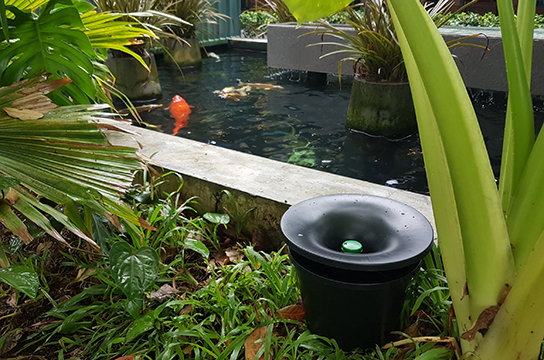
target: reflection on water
300 123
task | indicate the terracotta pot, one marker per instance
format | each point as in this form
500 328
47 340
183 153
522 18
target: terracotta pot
182 53
134 80
381 109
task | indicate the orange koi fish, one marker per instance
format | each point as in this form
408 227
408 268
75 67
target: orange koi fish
179 110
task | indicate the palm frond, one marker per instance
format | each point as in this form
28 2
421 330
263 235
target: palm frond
60 155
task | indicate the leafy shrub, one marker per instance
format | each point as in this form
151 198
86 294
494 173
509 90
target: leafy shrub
254 22
486 20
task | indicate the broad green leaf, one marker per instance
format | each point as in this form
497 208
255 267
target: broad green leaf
488 257
4 22
133 270
216 218
519 132
21 278
53 42
310 10
134 306
101 234
197 246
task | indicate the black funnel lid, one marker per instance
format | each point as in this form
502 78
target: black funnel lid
393 235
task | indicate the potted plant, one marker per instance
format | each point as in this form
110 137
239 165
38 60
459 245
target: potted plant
184 49
136 81
381 102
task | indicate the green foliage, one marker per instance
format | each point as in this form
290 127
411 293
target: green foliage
374 49
193 12
22 278
71 160
52 41
238 217
486 20
280 11
254 23
133 270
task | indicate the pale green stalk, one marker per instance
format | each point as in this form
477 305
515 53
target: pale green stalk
488 258
518 328
519 128
446 218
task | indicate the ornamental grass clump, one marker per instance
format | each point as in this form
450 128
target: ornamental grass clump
194 12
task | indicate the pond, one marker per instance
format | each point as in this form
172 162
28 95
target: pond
300 121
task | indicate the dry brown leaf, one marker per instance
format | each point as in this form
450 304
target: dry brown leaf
164 292
46 87
128 357
44 245
21 232
23 114
145 224
482 324
250 345
12 301
234 254
187 350
83 273
292 312
38 102
221 259
11 197
10 341
186 310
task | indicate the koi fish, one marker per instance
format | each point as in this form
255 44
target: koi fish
179 110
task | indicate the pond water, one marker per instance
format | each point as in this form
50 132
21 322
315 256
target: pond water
301 122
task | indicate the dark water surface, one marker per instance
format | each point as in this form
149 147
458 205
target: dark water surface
302 123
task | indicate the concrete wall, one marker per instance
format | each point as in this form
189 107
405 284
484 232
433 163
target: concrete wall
288 49
267 186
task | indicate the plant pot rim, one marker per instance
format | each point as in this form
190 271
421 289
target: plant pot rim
364 80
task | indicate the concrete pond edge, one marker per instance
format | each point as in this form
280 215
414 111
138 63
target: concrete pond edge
267 186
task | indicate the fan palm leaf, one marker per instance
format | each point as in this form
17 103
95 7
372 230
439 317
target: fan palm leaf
59 154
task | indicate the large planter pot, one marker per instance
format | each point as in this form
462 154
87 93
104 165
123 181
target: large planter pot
381 109
355 296
182 53
134 80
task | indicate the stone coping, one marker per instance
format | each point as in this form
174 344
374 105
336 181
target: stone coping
267 186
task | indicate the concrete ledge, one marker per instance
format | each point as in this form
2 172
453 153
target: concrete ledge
248 44
287 49
268 186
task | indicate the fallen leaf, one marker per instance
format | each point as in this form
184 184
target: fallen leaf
44 245
10 341
84 273
252 347
221 259
12 301
11 197
128 357
23 114
187 350
234 254
164 292
186 310
292 312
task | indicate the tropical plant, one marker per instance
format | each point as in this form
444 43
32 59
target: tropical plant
492 241
280 11
67 160
194 12
52 36
254 22
374 49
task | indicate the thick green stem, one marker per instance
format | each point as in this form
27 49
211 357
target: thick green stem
518 329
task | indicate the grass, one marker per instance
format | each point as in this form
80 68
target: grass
206 300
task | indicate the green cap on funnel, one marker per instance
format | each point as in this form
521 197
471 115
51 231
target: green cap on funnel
352 246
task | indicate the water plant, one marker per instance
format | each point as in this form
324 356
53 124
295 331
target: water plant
491 239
